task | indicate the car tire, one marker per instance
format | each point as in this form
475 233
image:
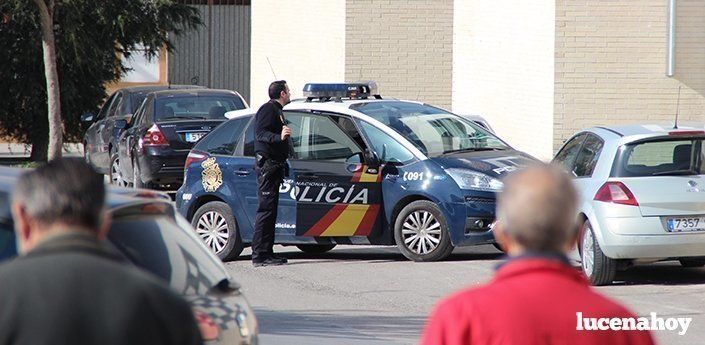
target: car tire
421 232
598 268
215 225
115 173
692 262
315 248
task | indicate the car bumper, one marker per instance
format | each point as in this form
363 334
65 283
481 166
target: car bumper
164 166
470 222
647 238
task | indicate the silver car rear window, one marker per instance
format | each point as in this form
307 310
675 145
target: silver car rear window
660 157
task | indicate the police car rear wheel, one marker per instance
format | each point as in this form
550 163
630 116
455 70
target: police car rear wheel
216 226
421 232
315 248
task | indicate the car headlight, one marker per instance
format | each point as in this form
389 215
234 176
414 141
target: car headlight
468 179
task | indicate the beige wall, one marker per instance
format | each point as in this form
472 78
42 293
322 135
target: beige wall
611 63
503 69
304 40
405 45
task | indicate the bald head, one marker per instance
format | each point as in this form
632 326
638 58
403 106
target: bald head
537 208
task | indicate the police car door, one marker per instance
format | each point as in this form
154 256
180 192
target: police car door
336 195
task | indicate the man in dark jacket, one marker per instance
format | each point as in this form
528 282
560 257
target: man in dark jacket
536 297
272 148
68 287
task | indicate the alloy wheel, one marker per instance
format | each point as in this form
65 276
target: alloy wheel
588 251
421 232
116 175
213 229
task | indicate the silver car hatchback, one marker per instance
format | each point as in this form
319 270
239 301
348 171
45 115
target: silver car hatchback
642 196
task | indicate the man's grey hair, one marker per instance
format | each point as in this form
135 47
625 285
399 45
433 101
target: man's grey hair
66 191
537 208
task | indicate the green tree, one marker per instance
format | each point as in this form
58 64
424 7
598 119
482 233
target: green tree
90 37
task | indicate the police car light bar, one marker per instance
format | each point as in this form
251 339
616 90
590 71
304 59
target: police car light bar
326 91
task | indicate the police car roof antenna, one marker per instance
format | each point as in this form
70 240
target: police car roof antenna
678 104
271 68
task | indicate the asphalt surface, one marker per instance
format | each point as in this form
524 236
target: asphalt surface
373 295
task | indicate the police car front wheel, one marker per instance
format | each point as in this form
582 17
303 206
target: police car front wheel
216 226
421 232
315 248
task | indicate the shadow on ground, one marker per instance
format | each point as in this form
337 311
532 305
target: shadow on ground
385 254
662 273
336 324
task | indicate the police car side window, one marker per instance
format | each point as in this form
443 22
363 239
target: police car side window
222 140
317 137
567 155
249 146
387 149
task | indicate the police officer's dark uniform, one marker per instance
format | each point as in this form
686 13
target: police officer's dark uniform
271 153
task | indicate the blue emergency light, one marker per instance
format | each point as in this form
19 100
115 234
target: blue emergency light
337 91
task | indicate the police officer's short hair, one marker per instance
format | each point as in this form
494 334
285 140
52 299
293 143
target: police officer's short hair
276 88
66 191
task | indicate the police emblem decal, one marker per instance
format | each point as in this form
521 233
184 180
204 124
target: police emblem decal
211 177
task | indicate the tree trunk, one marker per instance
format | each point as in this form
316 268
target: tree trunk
46 14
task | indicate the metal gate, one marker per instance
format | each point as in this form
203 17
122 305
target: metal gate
217 55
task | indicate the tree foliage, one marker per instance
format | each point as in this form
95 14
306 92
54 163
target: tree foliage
91 37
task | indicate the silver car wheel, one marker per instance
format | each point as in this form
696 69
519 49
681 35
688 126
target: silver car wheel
116 176
213 229
588 251
421 232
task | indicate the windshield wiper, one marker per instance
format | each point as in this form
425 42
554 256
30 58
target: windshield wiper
185 117
468 149
675 172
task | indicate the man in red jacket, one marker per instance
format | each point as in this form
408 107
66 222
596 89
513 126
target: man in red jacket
536 297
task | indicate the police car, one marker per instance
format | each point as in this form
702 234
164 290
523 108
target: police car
367 170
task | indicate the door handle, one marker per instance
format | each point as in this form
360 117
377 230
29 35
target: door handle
242 172
391 177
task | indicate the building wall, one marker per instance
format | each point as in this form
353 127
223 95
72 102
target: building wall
304 41
503 68
611 64
404 45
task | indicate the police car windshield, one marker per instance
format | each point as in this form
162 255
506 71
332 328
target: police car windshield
432 130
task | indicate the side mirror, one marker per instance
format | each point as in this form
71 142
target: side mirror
371 159
87 117
120 124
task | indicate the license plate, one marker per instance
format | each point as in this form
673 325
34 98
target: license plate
194 137
686 224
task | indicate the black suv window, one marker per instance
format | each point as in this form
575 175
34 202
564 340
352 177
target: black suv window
224 138
566 156
587 158
116 105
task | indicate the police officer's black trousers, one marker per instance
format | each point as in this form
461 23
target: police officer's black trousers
268 198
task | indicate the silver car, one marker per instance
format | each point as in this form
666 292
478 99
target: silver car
642 196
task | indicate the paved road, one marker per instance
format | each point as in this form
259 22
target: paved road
372 295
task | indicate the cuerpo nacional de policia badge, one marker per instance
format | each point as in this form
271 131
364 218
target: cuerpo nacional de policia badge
211 176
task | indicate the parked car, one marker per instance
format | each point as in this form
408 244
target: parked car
153 149
642 196
100 140
149 233
367 170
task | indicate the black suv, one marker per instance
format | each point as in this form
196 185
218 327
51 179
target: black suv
152 151
100 140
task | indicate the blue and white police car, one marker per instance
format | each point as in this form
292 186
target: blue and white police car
367 170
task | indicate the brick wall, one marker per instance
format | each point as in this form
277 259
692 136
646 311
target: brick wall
611 63
503 69
304 40
405 45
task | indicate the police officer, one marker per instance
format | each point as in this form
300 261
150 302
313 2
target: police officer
272 147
